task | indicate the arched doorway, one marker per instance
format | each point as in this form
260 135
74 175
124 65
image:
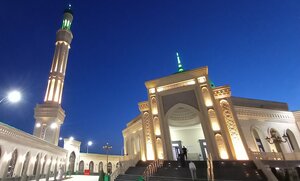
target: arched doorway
257 140
91 167
72 159
100 167
12 164
292 141
186 130
25 166
109 168
81 166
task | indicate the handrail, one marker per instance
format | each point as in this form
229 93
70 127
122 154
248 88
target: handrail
152 168
124 165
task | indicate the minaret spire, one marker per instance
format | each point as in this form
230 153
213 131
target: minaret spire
50 116
180 67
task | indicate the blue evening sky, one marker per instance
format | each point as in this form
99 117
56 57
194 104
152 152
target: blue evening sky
251 45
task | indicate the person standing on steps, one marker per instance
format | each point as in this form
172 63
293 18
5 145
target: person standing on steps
192 168
184 152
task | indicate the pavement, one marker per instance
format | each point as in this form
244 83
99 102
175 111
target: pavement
78 178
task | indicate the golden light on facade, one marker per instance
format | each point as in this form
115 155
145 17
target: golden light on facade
201 79
152 90
207 98
150 151
213 120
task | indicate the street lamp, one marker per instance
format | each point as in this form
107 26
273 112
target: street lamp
107 147
12 96
90 143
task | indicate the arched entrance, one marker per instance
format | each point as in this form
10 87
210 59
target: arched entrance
81 166
274 134
12 164
186 130
25 166
91 167
100 167
257 140
72 159
292 141
109 168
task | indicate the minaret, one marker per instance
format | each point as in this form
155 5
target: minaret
180 67
49 116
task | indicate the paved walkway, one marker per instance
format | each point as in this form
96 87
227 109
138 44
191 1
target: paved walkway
78 178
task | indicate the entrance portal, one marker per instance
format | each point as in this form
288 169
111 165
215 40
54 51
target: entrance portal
186 130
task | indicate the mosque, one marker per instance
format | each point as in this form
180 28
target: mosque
182 109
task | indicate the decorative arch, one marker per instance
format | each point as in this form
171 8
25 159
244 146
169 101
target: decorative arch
81 166
292 141
257 139
72 159
184 112
109 168
12 164
44 164
25 165
36 164
91 167
100 166
274 133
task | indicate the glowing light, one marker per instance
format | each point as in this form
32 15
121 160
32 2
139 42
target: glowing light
14 96
150 152
207 98
38 125
71 138
152 90
154 106
213 120
159 89
191 82
201 79
90 143
53 125
60 138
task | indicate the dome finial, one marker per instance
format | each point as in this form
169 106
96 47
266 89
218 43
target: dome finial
180 67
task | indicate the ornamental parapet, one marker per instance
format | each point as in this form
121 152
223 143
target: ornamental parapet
143 106
222 92
247 113
12 134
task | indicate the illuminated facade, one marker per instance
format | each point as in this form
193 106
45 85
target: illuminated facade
50 116
186 109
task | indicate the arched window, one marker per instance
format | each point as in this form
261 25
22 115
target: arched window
12 164
292 140
109 168
258 141
81 166
100 166
25 164
72 159
91 167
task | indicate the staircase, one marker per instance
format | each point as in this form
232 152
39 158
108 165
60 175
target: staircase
172 171
133 173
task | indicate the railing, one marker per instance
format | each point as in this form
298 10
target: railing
266 156
152 168
124 165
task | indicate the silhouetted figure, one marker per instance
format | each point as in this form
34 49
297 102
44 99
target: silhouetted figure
184 151
182 159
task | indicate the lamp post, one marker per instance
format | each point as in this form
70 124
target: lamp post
89 143
107 147
12 96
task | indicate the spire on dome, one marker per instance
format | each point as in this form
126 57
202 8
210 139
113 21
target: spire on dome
180 67
68 18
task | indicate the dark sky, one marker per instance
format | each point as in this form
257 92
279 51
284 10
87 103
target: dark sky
252 45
